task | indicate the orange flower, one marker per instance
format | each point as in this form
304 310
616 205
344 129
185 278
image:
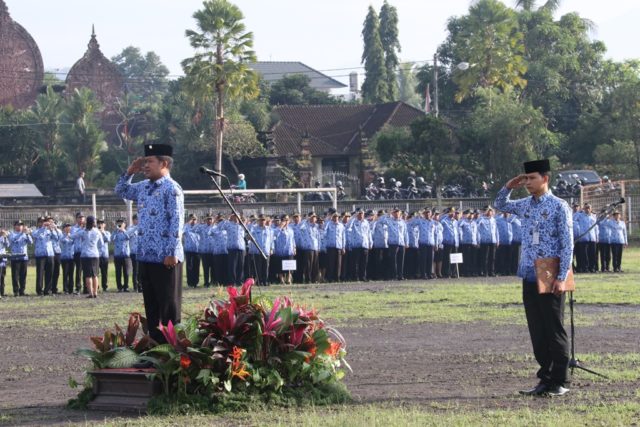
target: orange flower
333 349
185 361
237 365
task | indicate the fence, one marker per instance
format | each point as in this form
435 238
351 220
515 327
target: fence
599 196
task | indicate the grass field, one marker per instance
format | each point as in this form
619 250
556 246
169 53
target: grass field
464 318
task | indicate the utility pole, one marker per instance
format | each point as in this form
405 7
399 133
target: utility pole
435 84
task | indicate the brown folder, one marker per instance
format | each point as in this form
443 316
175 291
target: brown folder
546 273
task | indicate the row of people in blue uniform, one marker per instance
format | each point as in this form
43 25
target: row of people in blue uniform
598 245
63 249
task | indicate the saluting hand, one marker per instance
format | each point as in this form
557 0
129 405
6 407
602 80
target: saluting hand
517 182
136 166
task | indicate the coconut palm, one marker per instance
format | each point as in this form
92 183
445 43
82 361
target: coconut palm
220 69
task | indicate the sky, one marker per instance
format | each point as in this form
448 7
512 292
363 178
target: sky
324 34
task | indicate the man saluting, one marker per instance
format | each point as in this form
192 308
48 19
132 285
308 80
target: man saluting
546 232
160 204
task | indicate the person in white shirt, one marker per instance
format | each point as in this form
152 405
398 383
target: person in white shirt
81 187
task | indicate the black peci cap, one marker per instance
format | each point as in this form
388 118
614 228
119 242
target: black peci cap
540 166
153 149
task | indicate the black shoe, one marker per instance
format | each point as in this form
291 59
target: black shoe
557 390
125 290
538 390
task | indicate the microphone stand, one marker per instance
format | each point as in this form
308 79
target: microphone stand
574 362
235 212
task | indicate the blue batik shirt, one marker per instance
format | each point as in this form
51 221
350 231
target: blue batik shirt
264 237
18 243
309 236
191 237
604 231
584 223
618 232
132 231
359 234
121 241
516 229
439 234
413 231
549 219
4 244
285 244
160 217
426 231
468 232
56 242
335 236
43 238
235 235
487 231
204 239
218 236
398 234
106 238
77 248
449 231
380 235
66 247
505 235
91 242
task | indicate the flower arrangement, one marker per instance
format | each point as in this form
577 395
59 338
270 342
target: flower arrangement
234 346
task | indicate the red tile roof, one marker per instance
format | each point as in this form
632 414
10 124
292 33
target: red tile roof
333 129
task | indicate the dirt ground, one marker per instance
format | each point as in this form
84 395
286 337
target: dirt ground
431 365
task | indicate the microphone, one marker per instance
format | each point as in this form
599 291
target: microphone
614 204
210 172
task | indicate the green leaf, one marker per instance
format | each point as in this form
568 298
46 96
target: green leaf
123 357
162 349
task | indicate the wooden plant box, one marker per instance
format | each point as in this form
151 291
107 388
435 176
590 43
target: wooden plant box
123 390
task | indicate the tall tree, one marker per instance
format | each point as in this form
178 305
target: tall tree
45 115
407 84
529 5
219 69
391 47
145 75
488 39
374 87
82 137
18 143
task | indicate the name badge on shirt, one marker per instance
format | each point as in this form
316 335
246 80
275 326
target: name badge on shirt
536 237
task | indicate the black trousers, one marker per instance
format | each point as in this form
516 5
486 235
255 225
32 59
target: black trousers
376 270
235 267
124 268
162 294
44 273
297 273
358 264
390 262
3 271
192 261
55 276
604 249
514 258
220 269
19 276
259 269
411 263
334 264
503 261
545 317
207 268
104 272
425 261
487 259
467 268
67 275
345 271
582 262
592 257
616 252
310 266
78 269
134 276
447 271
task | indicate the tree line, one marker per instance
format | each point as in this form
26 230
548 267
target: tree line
514 83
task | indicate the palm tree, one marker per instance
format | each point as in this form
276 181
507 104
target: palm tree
45 116
220 69
528 5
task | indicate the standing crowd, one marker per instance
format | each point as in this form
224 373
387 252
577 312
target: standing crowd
351 246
